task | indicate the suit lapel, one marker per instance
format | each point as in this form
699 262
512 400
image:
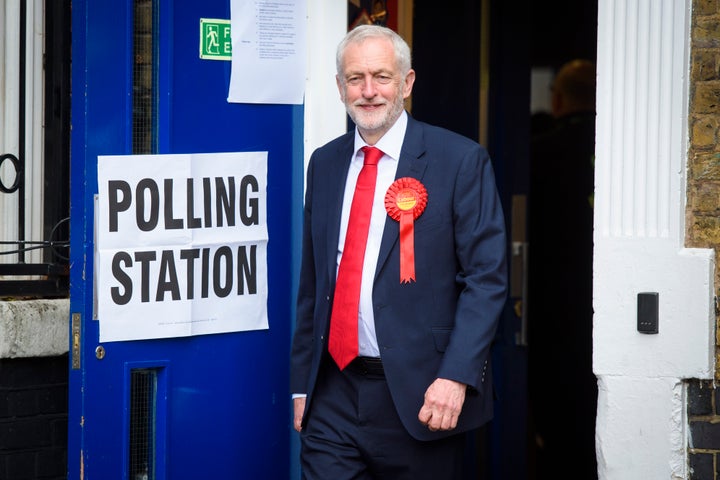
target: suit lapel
412 163
336 178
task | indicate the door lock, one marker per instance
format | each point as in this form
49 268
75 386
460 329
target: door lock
100 352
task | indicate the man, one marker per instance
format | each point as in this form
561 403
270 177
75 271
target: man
429 301
560 277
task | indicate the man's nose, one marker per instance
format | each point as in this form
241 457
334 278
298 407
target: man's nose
368 87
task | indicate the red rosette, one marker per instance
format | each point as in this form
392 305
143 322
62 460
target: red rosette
405 201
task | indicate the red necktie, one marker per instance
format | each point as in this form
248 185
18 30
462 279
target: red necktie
343 341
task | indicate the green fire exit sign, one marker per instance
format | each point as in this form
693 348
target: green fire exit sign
215 42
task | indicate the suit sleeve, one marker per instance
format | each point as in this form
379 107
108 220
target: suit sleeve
301 351
480 249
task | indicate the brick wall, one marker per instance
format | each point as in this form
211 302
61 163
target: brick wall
703 408
33 418
703 216
703 182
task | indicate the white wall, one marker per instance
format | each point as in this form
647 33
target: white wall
325 116
643 69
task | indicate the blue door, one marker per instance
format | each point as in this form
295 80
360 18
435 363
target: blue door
208 406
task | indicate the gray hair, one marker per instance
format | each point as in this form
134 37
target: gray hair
363 32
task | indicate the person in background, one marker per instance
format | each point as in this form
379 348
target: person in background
562 386
402 282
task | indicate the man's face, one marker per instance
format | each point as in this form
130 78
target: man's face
371 87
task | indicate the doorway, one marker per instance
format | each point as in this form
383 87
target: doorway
479 71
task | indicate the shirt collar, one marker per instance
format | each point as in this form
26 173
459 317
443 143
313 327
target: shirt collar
391 142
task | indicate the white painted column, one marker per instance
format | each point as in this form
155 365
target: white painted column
325 116
641 158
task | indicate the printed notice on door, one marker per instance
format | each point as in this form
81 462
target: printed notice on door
268 51
181 245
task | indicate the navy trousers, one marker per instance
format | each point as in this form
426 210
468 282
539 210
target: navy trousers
353 432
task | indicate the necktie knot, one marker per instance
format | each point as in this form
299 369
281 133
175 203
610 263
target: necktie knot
372 155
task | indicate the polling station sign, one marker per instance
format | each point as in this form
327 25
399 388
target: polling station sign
181 245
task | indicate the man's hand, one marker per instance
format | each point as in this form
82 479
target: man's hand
298 409
443 402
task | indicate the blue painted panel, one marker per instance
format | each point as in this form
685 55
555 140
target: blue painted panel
224 401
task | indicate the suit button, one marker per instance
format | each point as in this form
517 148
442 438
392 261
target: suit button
327 298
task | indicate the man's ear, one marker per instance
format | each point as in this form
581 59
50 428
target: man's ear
408 83
556 104
341 90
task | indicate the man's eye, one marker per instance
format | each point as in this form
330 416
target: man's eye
384 79
354 81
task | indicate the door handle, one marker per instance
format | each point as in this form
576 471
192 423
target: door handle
520 269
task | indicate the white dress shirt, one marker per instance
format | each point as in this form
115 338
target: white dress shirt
390 144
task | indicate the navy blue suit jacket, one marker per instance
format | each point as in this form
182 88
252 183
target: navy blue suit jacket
441 325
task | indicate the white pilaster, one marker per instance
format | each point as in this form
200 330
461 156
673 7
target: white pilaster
325 116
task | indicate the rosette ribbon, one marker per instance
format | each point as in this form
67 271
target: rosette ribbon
405 201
